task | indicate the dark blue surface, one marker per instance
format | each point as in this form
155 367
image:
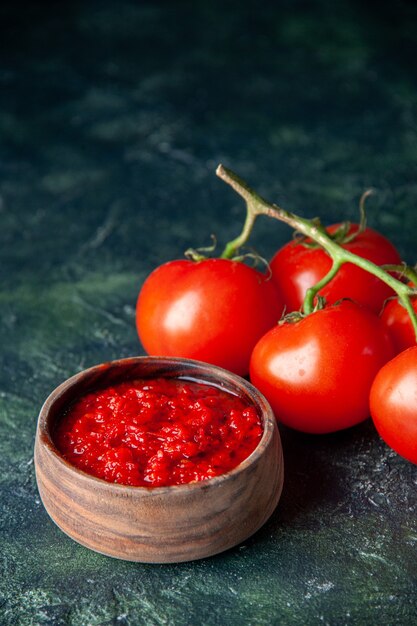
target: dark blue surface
113 117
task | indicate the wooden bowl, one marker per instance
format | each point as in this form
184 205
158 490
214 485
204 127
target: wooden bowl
161 524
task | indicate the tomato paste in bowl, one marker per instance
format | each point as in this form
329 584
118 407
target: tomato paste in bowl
158 460
158 432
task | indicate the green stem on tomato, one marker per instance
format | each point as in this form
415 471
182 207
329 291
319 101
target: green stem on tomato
308 305
233 246
313 230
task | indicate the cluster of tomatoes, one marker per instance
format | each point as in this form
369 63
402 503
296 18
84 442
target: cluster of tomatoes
321 372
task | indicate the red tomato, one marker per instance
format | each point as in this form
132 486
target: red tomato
296 267
393 402
399 325
213 310
317 372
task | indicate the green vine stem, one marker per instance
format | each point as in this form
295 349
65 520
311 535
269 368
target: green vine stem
314 230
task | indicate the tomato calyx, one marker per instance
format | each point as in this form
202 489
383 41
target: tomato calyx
256 260
345 233
296 316
291 318
196 254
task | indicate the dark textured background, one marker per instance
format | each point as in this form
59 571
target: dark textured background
113 117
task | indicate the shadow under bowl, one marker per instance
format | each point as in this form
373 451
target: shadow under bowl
160 524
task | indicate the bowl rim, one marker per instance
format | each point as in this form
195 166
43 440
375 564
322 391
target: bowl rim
44 435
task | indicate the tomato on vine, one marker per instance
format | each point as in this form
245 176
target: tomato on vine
212 310
300 264
393 402
317 371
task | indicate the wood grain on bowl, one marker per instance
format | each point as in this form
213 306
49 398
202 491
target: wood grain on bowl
167 524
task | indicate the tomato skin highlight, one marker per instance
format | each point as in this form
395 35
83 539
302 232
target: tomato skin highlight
213 310
393 402
317 373
398 323
295 268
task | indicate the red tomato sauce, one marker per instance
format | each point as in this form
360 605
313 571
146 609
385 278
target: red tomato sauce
158 432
